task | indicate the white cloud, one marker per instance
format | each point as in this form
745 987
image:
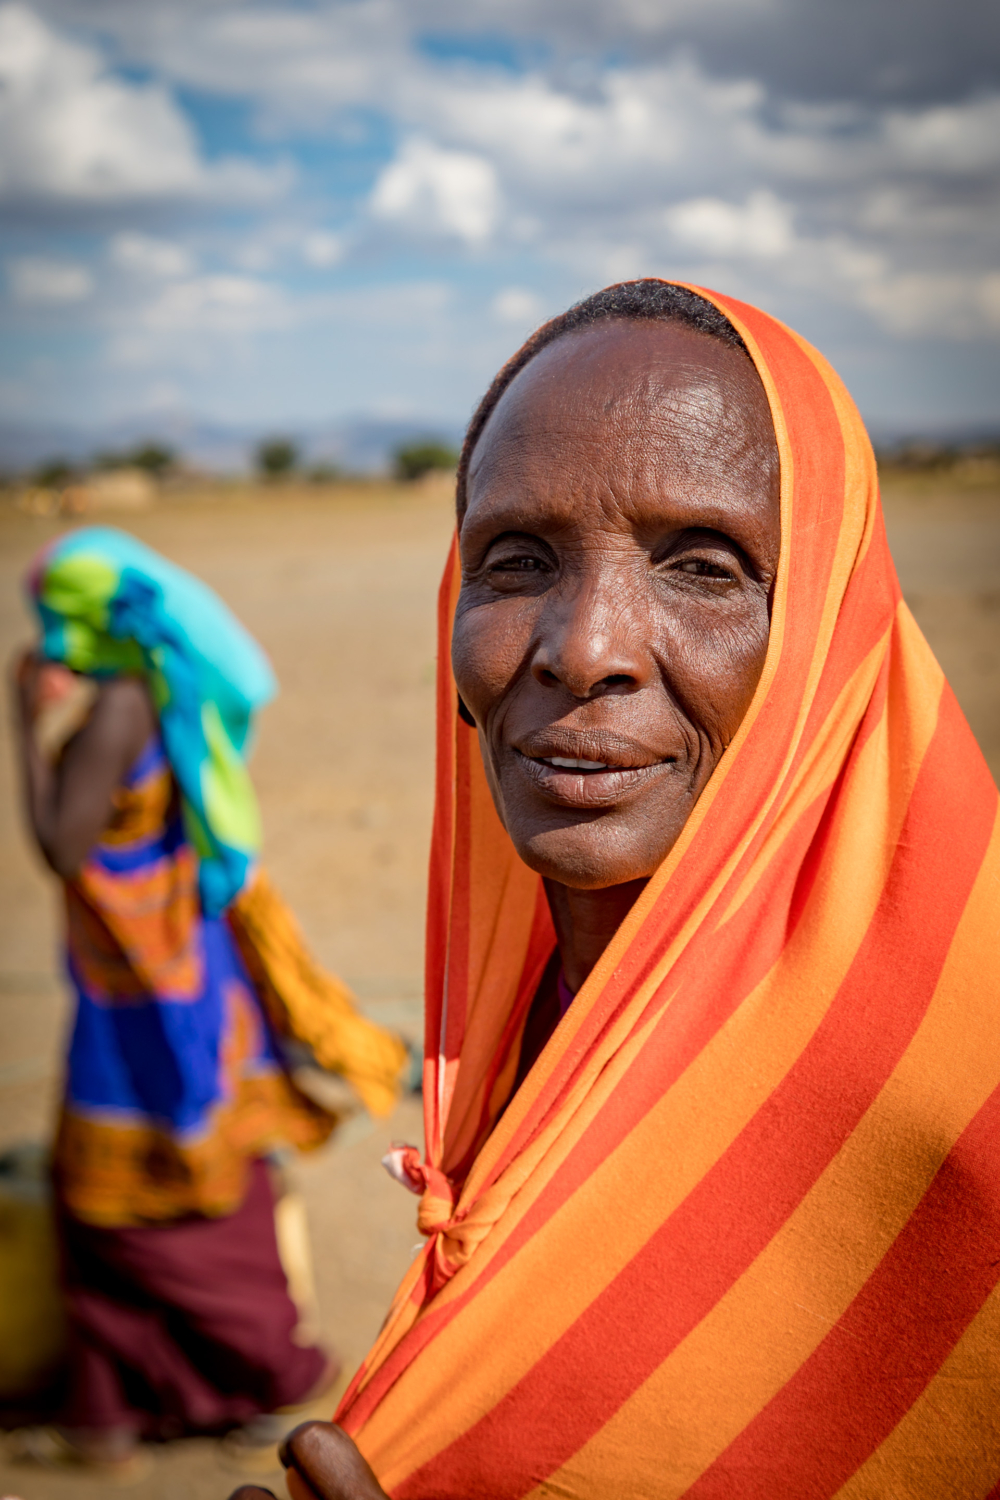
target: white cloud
38 281
145 255
951 138
960 304
633 138
206 333
657 16
300 63
517 306
761 227
850 207
320 248
313 59
69 129
195 322
989 298
434 191
161 397
220 303
935 302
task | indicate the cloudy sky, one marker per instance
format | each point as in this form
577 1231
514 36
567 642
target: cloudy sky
280 212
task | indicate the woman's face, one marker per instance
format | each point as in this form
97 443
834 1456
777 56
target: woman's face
618 551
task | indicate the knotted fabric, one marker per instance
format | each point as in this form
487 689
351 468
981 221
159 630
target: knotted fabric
738 1232
454 1236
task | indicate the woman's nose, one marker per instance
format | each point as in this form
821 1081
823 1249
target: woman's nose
589 640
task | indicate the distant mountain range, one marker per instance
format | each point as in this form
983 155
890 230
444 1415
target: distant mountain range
359 445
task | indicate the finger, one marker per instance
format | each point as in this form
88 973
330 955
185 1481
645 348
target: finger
23 666
298 1489
330 1463
252 1492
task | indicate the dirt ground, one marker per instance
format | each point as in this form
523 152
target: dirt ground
339 586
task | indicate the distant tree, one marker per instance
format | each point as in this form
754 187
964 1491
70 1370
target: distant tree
155 458
109 459
276 457
324 473
414 460
53 473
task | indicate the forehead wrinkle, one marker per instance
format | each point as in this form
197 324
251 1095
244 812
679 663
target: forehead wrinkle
704 405
616 432
564 485
694 407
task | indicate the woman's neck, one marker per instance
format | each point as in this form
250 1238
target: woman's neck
586 921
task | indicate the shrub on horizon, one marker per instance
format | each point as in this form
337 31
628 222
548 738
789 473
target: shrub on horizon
276 457
413 460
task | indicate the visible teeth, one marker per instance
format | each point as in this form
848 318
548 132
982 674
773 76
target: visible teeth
565 764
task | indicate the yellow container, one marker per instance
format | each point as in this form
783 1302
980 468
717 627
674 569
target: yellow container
32 1321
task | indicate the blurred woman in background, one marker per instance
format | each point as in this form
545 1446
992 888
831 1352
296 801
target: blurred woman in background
136 714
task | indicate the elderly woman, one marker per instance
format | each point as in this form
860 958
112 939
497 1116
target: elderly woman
188 972
710 1196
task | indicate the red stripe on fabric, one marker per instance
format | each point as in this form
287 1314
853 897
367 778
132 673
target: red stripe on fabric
454 994
866 613
870 601
867 1373
442 836
541 942
872 591
737 1208
458 954
816 439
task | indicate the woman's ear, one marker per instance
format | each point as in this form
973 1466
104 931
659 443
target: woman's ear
465 716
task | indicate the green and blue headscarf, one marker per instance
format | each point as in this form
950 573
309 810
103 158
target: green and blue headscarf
109 606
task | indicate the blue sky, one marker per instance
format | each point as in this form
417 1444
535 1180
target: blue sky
281 215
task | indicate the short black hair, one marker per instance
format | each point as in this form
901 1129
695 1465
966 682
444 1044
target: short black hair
650 299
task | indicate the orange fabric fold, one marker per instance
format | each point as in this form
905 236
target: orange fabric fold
738 1232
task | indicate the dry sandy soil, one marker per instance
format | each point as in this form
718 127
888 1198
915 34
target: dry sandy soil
339 585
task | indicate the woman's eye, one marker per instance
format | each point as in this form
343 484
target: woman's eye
703 567
517 565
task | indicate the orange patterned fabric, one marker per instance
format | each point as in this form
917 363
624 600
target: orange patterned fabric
114 1172
138 936
304 1001
175 1075
738 1232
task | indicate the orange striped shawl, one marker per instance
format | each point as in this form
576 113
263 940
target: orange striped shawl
738 1233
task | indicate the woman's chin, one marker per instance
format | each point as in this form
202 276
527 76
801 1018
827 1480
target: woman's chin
580 857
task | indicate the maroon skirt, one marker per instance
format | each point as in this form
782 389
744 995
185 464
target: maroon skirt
183 1327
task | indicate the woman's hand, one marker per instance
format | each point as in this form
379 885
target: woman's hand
24 670
69 804
323 1463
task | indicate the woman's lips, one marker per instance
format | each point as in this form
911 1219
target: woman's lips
564 763
574 782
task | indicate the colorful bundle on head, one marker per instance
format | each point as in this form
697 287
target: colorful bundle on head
109 606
